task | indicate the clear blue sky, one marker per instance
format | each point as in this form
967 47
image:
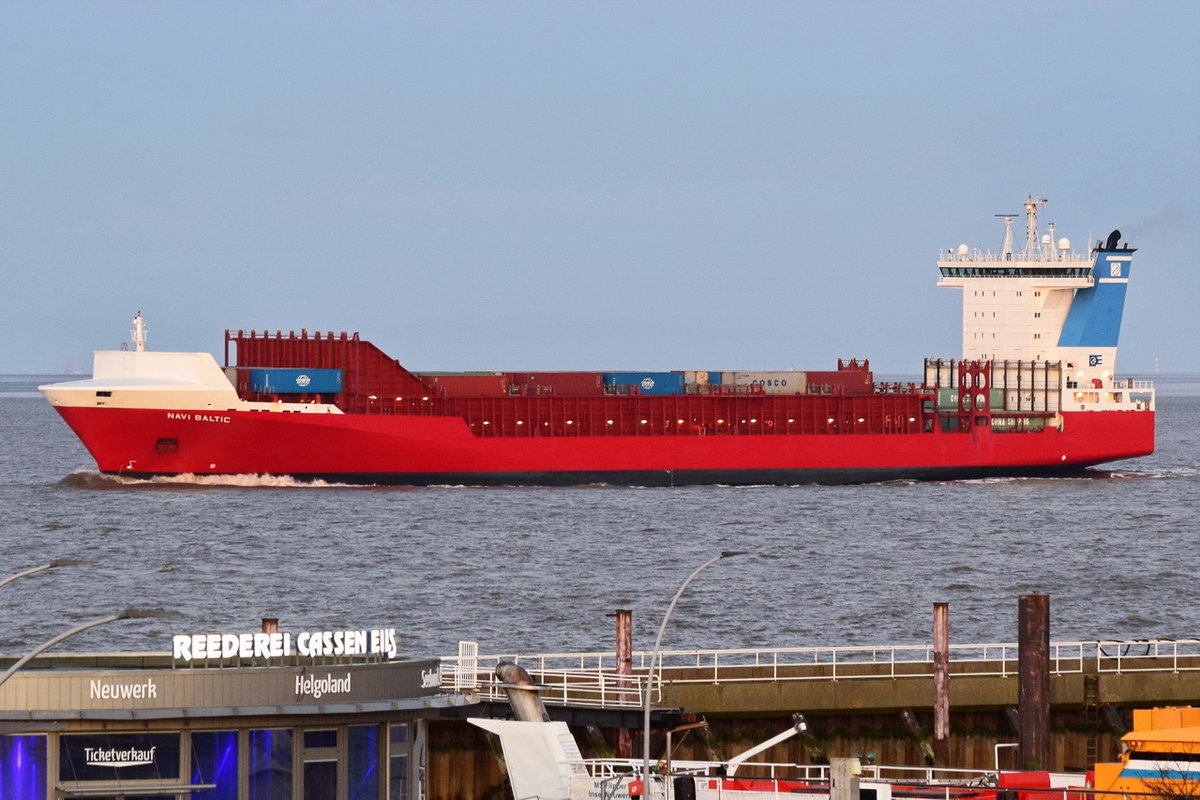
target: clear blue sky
581 185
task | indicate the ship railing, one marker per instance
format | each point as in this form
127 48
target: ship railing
778 770
1072 258
593 679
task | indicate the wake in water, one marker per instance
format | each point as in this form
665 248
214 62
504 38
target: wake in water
1176 472
90 479
1089 475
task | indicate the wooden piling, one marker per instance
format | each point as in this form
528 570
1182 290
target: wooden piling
941 679
625 671
1033 669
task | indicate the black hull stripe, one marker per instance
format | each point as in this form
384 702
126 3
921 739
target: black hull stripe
659 478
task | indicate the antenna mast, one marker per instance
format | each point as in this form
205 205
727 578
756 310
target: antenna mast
1031 234
138 333
1007 250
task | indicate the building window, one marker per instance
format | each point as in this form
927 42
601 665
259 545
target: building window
362 766
398 762
270 764
215 760
320 739
116 757
321 754
23 767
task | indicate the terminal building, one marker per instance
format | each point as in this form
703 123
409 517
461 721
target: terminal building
326 715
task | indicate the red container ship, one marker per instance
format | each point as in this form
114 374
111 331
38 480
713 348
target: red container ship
1034 393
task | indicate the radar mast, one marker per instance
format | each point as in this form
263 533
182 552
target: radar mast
1031 233
138 334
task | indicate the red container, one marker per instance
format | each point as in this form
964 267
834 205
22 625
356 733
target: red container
849 381
473 384
557 383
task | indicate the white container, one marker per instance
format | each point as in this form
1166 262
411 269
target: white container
775 382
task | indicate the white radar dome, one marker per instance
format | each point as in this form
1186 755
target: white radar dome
1045 238
1064 243
963 250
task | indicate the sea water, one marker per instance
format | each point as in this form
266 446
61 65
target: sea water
536 570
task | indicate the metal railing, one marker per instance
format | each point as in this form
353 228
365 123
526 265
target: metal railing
1072 258
776 770
592 679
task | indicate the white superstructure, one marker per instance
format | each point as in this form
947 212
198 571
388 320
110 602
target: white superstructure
1047 309
141 379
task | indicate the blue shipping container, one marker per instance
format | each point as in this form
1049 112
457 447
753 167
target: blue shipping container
296 381
646 382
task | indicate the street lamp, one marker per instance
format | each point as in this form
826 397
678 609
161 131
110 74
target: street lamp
62 562
654 658
129 613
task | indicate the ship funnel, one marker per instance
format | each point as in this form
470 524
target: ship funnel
527 705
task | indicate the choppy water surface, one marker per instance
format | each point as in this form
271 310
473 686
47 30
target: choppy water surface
536 570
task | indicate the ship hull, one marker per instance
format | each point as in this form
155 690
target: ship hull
417 450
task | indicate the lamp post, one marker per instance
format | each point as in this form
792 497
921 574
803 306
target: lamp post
62 562
129 613
654 658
